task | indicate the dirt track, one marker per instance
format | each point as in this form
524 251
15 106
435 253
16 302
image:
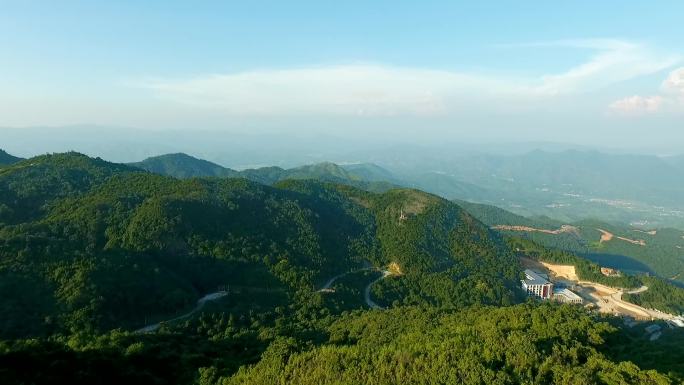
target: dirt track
606 236
562 229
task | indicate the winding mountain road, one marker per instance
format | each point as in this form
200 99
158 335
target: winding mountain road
366 293
219 294
200 304
332 280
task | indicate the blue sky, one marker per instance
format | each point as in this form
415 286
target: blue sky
572 71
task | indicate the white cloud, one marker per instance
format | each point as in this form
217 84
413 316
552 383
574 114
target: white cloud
675 82
372 89
637 105
349 89
671 99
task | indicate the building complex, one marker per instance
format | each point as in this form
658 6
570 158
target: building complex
537 285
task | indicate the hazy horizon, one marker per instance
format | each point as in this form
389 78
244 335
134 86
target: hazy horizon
124 145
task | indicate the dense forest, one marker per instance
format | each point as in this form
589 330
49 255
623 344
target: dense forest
90 245
91 251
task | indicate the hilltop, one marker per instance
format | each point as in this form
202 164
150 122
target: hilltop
6 158
365 176
181 165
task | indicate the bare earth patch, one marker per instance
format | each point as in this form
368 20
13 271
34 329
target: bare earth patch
606 299
563 229
650 232
561 271
606 236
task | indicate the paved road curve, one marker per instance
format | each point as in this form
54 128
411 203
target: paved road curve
219 294
366 293
200 305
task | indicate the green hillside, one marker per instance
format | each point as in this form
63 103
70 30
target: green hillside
514 345
104 245
91 251
447 258
183 166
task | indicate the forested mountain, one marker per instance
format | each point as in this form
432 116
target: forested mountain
183 166
369 177
6 158
568 186
371 172
141 242
90 251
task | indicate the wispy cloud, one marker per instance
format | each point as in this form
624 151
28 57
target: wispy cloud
348 89
616 61
374 89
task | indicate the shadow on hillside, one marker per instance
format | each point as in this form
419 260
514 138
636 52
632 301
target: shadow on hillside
620 262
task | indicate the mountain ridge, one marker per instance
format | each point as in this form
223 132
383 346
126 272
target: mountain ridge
6 158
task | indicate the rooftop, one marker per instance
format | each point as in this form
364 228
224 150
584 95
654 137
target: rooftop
534 278
567 293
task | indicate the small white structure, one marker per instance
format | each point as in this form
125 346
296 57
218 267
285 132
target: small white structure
566 296
677 321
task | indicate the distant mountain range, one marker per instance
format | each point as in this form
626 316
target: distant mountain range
367 176
661 252
676 161
562 181
569 186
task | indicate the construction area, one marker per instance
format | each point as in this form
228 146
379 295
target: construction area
603 298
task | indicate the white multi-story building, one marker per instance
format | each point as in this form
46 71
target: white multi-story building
537 285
